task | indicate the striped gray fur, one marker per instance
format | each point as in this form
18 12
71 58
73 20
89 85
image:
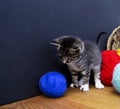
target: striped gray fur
80 57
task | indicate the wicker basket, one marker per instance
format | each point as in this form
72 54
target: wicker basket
113 42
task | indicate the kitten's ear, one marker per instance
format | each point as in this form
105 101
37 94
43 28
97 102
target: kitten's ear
58 41
54 42
81 47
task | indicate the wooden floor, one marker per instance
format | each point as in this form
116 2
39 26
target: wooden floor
73 99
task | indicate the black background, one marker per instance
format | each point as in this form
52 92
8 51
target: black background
27 27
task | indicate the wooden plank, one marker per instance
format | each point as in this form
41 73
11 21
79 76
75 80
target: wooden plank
73 99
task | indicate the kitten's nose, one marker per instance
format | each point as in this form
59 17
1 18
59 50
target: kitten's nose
65 60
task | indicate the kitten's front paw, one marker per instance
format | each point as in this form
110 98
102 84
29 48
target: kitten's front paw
84 87
73 85
99 85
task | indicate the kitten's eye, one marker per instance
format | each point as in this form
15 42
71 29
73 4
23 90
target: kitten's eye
72 51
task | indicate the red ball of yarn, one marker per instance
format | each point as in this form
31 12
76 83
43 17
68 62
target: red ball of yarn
109 59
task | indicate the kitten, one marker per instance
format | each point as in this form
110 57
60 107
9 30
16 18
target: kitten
80 57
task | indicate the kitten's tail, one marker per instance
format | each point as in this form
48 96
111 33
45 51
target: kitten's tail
99 35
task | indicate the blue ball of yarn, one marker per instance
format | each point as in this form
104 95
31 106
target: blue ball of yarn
52 84
116 78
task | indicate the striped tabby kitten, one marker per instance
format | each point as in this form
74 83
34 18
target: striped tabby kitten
80 57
